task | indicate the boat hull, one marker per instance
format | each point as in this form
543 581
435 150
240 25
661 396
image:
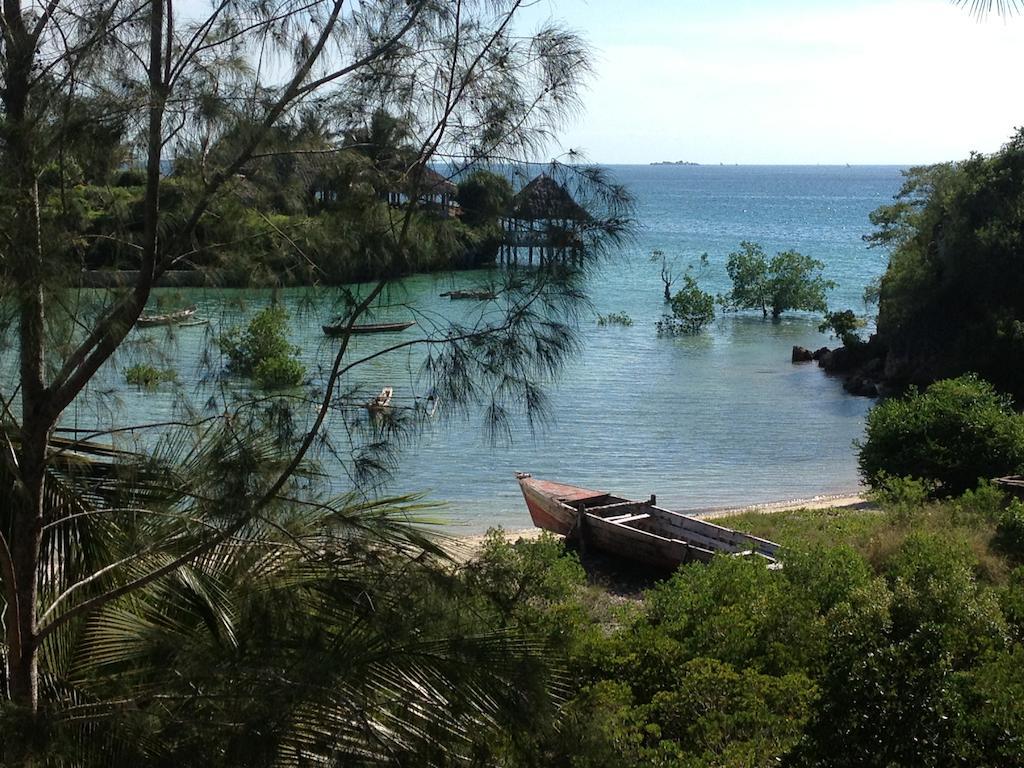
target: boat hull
637 530
342 329
547 503
171 318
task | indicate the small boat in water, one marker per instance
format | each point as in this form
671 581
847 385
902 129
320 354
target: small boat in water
168 318
382 401
478 295
340 328
637 530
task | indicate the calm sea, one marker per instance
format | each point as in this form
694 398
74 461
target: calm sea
723 418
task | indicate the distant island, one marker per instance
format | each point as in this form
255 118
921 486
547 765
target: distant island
677 162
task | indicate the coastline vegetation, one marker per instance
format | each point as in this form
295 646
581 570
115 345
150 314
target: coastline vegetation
615 318
908 613
952 434
950 301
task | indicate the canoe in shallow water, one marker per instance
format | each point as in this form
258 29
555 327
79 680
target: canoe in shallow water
637 530
168 318
339 329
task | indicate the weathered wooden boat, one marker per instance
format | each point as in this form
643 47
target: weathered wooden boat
478 295
1012 484
341 328
637 530
167 318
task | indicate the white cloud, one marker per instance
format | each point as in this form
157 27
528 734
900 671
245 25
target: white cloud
887 83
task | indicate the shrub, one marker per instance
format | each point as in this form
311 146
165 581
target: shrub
692 309
262 350
952 434
1009 538
148 376
278 373
844 326
615 318
901 498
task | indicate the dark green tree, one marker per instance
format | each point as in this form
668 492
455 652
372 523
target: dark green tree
953 434
789 280
484 196
950 301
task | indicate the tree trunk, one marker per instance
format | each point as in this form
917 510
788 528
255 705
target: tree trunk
27 272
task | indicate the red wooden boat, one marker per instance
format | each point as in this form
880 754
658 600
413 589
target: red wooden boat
638 530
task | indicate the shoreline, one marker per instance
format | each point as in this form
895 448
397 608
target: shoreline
463 547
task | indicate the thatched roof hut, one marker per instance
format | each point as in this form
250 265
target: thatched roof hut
433 183
545 199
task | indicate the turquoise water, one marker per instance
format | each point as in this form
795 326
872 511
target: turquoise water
719 419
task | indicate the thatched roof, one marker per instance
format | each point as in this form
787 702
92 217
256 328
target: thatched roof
433 183
544 198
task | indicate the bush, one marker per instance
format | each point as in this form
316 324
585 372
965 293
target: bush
615 318
148 376
278 373
262 351
844 326
1009 538
901 498
957 431
692 309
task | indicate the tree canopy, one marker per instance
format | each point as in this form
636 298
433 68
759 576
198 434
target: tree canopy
787 281
950 301
210 599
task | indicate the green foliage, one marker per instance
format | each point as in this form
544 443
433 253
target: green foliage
733 664
844 325
1009 537
278 373
901 498
148 376
484 197
692 309
615 318
789 280
524 575
262 350
953 434
715 714
953 294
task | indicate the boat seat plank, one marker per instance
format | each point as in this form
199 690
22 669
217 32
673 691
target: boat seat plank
630 518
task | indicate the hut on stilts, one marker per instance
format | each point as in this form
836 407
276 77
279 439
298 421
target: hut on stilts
544 221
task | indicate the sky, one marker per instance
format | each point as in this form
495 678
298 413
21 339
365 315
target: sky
793 81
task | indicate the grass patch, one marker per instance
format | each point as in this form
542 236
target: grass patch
877 534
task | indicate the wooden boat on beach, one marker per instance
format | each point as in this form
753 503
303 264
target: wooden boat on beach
340 328
637 530
1012 484
167 318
